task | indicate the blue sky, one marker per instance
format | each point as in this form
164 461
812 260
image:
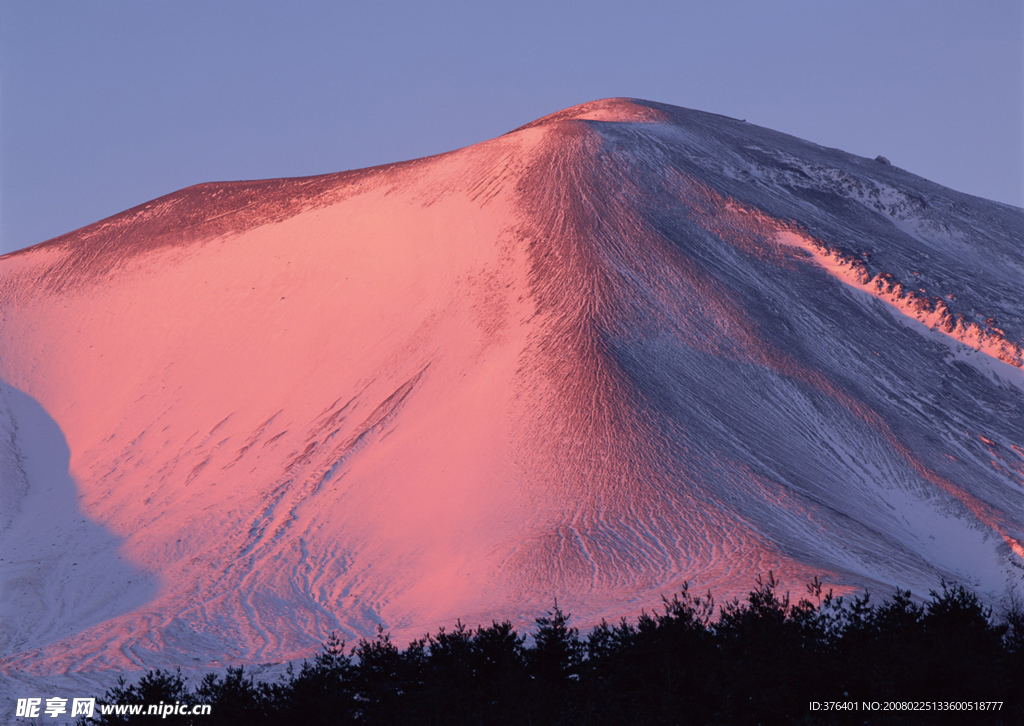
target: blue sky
106 104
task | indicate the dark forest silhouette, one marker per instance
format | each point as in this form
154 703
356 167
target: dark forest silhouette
762 660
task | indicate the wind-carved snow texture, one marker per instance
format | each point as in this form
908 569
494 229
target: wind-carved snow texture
624 346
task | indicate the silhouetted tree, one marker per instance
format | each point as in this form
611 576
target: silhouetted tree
384 678
554 664
238 700
154 688
321 692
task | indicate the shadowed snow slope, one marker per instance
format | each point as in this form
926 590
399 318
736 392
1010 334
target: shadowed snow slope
621 347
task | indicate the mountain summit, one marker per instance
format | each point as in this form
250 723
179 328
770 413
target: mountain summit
621 347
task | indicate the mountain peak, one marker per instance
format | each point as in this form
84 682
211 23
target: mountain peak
620 110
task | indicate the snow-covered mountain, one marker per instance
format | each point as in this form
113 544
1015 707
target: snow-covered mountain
621 347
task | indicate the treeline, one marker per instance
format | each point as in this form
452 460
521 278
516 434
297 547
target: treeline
762 660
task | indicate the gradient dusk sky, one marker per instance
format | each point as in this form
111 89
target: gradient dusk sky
107 104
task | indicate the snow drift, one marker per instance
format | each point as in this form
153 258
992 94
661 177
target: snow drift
621 347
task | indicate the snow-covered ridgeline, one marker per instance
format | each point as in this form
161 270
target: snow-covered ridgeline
729 215
917 304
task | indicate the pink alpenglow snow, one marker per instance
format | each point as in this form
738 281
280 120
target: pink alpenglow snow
625 346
